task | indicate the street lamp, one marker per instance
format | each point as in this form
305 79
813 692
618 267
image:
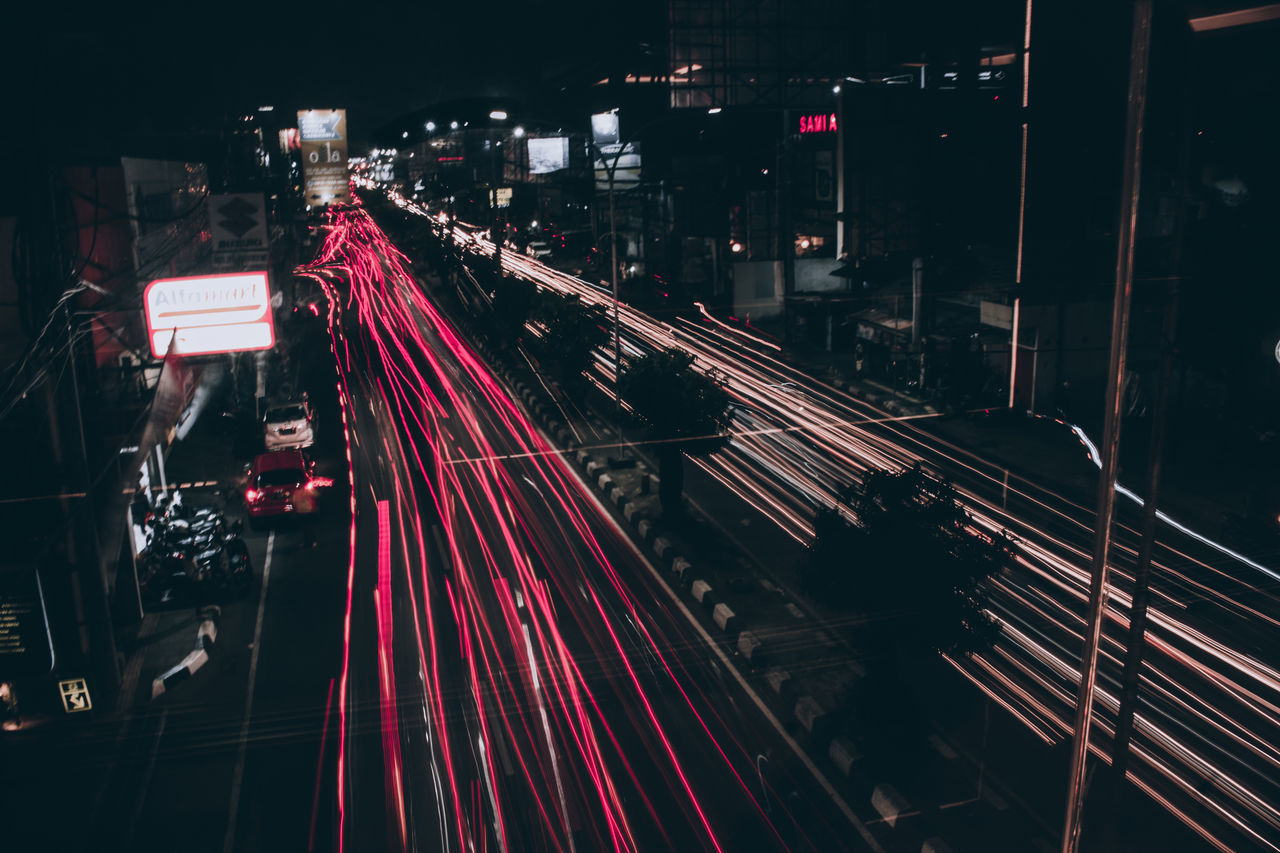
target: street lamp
610 168
497 232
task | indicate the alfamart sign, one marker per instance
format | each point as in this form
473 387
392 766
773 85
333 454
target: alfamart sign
208 314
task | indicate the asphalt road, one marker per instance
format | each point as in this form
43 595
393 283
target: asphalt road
535 683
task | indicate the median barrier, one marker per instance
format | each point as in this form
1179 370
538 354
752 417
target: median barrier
889 803
751 647
779 680
811 715
725 618
843 754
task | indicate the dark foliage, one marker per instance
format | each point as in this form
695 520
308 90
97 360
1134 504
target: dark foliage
685 411
912 562
572 333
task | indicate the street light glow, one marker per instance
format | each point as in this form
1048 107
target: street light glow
430 126
453 125
714 111
519 131
498 115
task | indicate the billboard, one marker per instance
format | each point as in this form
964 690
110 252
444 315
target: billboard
550 154
323 145
26 645
501 197
208 314
289 140
624 159
238 224
604 128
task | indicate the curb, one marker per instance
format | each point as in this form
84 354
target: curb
206 636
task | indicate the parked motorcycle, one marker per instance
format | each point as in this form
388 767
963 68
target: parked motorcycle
192 553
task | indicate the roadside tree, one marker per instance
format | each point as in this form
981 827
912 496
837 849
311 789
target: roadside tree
684 410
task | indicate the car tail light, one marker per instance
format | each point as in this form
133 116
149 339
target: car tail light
252 495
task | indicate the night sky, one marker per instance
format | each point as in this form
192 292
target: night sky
100 73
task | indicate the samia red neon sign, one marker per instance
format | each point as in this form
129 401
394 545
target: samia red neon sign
819 123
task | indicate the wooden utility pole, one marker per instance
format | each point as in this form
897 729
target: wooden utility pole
1139 52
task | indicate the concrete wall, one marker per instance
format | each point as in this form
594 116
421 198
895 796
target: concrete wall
757 289
813 275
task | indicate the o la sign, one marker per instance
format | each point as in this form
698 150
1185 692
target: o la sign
207 314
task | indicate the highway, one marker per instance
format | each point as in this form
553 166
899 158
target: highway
1208 725
515 676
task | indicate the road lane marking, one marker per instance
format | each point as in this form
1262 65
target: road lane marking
237 778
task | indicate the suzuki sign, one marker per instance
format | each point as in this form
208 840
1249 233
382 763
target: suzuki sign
208 314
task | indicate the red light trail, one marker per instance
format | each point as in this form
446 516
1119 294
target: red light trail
499 589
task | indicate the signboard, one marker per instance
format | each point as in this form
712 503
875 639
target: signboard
323 144
26 646
819 123
995 314
75 695
626 174
207 314
289 140
501 197
238 222
604 129
550 154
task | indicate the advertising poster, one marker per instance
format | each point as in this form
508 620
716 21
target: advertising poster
548 155
238 224
323 145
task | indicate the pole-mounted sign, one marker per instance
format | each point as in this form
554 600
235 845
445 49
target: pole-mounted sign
207 314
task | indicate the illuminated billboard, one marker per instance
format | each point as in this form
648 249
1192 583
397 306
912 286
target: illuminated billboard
289 140
604 128
207 314
548 155
623 159
323 145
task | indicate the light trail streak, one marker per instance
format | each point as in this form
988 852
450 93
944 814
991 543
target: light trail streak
799 448
440 443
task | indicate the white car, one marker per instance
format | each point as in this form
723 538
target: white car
289 424
538 250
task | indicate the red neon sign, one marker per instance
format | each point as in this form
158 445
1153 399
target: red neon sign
820 123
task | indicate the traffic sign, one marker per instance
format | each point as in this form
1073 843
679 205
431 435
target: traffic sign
75 695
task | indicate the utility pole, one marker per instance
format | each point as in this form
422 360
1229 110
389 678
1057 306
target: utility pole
84 552
496 231
1132 183
610 168
1155 454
